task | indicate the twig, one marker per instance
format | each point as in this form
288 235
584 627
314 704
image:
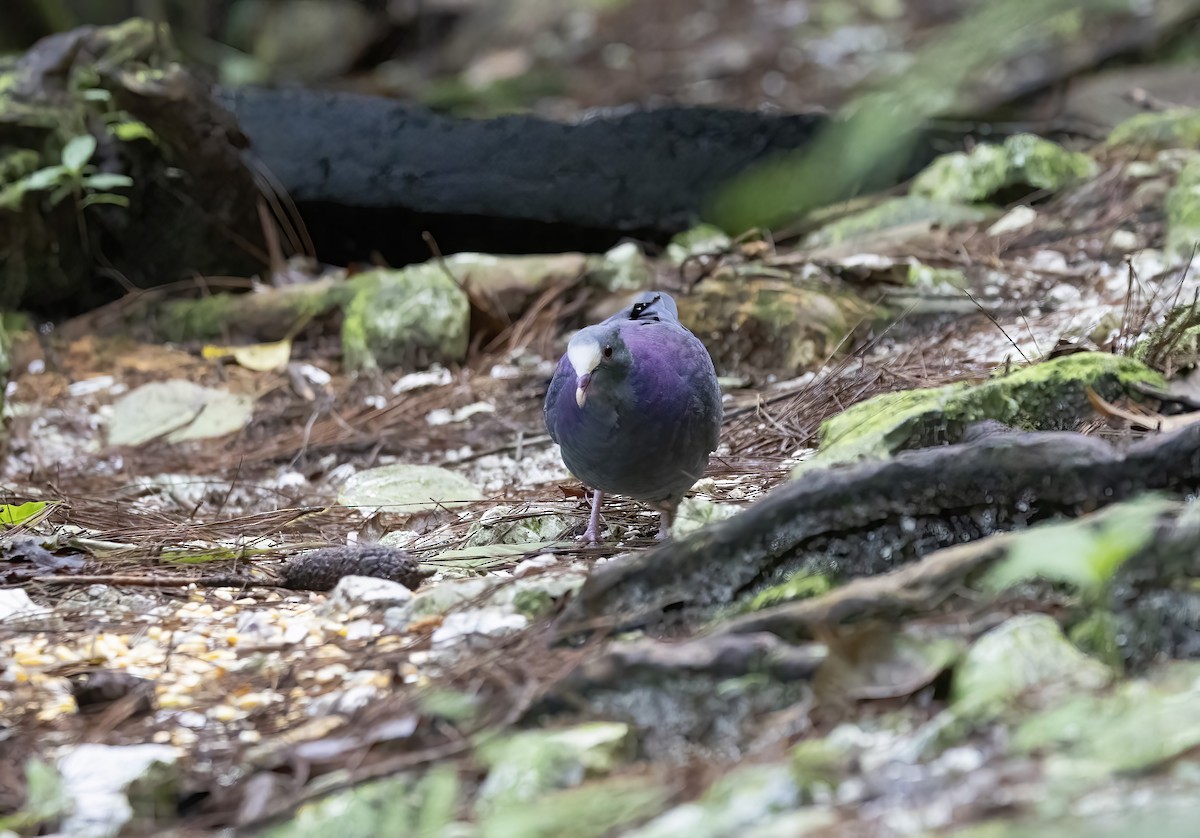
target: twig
157 581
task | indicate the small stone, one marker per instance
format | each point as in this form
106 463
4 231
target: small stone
16 604
1123 241
1016 218
484 622
98 777
353 591
696 512
541 562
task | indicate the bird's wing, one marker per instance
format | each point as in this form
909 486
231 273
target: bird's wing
563 376
709 409
649 305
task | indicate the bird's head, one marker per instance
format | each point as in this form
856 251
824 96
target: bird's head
599 357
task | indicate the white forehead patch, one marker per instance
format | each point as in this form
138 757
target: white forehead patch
584 354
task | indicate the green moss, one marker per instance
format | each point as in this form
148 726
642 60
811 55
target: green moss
511 95
621 268
1134 728
1025 662
398 805
593 810
1174 128
802 585
525 765
1183 212
213 317
1046 396
533 603
1023 159
1175 344
200 319
1096 635
768 324
701 239
406 317
818 765
909 215
136 40
15 163
940 280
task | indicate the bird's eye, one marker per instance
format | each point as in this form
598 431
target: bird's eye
608 352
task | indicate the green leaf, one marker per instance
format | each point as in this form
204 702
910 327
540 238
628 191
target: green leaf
490 555
439 792
15 515
104 181
45 799
96 94
104 198
45 178
78 151
203 556
1084 553
128 131
64 191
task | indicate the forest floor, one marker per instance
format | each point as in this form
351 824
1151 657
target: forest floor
254 699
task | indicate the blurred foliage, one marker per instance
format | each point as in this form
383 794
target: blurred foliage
878 134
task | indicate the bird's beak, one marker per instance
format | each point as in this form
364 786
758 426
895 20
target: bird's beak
581 388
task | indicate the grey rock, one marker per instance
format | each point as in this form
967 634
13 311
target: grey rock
366 590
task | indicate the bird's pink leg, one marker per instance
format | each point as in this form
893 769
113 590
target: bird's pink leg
592 534
665 517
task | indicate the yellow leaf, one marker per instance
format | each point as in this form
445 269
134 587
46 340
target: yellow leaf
260 357
264 357
213 353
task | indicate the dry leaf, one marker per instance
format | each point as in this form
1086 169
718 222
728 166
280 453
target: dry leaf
260 357
1143 421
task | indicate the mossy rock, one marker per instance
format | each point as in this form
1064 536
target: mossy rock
1046 396
1174 128
922 277
1183 212
1022 160
270 315
699 240
769 325
1137 727
894 219
748 796
524 765
621 268
1025 662
411 317
605 807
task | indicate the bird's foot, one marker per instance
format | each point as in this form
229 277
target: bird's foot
665 518
591 536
